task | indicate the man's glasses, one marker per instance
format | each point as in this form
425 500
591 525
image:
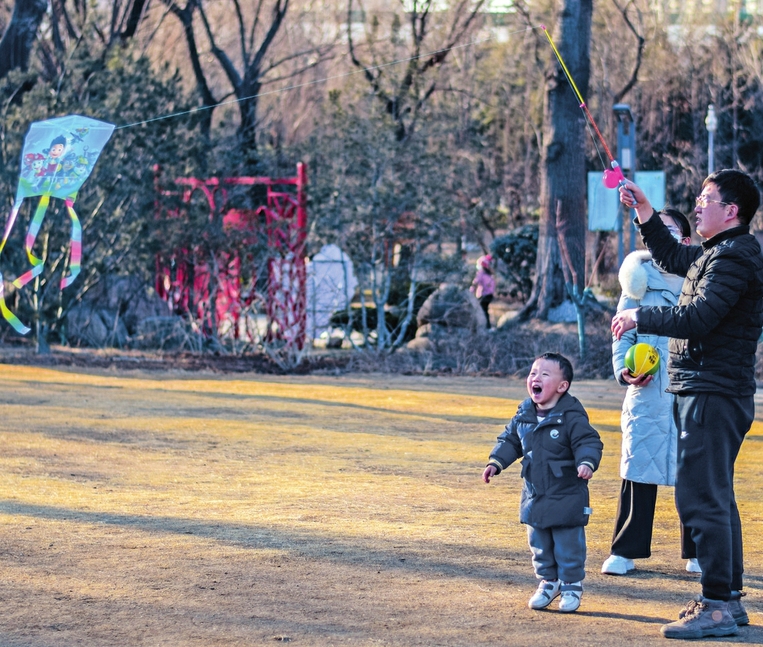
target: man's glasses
702 201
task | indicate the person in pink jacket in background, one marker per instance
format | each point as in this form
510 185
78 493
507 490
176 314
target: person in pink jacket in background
483 284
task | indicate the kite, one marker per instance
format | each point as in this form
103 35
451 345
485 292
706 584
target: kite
58 156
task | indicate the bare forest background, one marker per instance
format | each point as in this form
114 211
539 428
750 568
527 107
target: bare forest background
432 130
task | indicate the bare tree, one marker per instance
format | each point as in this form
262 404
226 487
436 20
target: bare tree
563 167
249 62
102 26
640 42
120 21
18 40
404 97
186 17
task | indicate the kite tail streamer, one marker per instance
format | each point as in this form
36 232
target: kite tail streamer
31 237
8 315
9 224
11 318
38 263
76 247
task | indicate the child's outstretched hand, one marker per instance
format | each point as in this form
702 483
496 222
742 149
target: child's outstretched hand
490 471
584 472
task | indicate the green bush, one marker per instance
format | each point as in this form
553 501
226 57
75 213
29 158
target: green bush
517 251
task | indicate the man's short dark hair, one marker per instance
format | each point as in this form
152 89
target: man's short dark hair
681 220
737 188
562 361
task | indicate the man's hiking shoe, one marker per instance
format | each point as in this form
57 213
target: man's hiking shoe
737 610
702 617
546 593
571 594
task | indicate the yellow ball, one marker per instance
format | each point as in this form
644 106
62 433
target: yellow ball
642 359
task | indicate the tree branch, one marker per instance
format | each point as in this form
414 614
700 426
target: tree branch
228 67
639 52
439 56
279 12
133 19
19 37
277 63
185 16
322 58
241 32
373 80
255 25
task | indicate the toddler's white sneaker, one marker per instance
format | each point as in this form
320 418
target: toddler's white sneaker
546 593
571 594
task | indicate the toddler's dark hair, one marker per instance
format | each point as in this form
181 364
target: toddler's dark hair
562 361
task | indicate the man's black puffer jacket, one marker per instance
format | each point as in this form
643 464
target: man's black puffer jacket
716 325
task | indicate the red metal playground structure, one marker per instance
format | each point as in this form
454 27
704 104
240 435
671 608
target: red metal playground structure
211 290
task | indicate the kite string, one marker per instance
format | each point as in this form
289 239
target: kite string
590 121
613 174
76 244
317 81
595 145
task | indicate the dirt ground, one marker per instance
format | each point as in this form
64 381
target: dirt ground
203 509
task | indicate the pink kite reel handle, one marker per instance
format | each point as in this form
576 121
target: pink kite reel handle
614 177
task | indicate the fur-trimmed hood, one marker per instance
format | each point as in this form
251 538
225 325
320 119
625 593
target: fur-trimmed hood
634 275
639 273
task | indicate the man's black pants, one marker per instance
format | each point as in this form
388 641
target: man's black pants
711 429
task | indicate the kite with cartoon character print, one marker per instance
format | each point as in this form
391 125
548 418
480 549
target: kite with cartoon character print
58 156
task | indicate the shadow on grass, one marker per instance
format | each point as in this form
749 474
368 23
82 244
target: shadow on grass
227 413
611 615
507 566
305 544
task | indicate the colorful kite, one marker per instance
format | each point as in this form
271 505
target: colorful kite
59 155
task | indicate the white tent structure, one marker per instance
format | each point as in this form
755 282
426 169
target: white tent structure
331 284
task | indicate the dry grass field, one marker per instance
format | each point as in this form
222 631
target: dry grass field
189 510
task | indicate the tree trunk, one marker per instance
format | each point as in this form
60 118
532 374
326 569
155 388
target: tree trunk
248 105
185 15
18 40
563 164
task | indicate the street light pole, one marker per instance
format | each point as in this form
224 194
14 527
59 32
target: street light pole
626 153
711 123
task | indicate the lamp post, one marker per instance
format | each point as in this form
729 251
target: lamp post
711 123
626 153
